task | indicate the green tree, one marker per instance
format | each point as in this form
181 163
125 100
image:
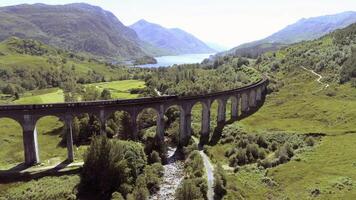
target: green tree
105 94
188 191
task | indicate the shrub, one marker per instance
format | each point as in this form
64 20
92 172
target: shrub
241 157
153 174
253 150
266 163
219 182
154 157
274 146
111 166
310 141
117 196
188 191
140 192
261 141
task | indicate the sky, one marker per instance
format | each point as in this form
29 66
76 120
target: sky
225 22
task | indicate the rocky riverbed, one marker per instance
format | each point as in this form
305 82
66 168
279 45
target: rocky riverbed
173 175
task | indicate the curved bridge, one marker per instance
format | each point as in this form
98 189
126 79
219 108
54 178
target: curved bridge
243 101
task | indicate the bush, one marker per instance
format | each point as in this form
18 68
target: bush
140 192
111 166
252 149
310 141
261 141
117 196
219 182
153 174
154 157
188 191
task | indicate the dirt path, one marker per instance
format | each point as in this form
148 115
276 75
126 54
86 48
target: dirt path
319 77
209 168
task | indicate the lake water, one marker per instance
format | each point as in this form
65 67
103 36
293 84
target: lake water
167 61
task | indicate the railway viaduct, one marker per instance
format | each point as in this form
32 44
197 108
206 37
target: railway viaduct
243 101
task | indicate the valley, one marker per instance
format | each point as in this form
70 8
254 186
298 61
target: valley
94 108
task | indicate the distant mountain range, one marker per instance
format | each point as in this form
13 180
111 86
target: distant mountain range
175 41
77 27
304 29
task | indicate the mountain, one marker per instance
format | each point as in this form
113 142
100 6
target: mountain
76 27
304 29
175 41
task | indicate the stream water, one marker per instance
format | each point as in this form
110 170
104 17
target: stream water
173 175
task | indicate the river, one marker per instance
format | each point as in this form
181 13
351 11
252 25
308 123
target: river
167 61
173 175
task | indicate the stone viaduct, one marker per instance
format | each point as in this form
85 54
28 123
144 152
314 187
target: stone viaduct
243 101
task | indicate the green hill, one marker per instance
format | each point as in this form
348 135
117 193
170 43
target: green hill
29 64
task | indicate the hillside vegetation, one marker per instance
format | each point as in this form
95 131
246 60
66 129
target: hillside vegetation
29 64
317 121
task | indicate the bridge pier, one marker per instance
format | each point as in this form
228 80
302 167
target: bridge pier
30 141
244 103
185 130
134 126
234 107
102 122
252 98
258 95
69 137
222 111
205 123
160 125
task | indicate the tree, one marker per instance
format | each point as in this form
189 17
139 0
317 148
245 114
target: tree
105 95
219 183
112 165
188 191
91 94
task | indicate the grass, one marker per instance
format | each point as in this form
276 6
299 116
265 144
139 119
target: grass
54 95
42 189
121 89
326 171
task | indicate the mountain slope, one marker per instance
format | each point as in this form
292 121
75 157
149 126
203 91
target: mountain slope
30 64
175 41
304 29
76 27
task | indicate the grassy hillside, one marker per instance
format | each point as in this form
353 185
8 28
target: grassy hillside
302 106
29 64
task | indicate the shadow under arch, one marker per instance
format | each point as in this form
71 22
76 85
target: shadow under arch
12 147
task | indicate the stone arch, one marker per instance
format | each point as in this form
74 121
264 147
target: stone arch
176 124
199 111
252 98
118 124
147 118
244 102
219 104
201 120
233 107
12 146
50 131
